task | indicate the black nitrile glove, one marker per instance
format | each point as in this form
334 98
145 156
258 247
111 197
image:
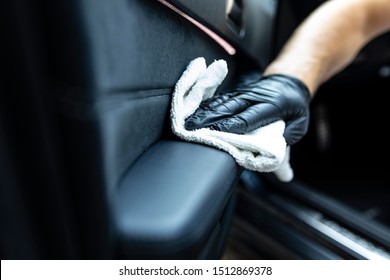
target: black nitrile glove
255 104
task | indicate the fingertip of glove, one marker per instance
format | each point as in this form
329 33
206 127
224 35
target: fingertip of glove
190 124
290 139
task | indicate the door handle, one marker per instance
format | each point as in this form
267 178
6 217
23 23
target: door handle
235 16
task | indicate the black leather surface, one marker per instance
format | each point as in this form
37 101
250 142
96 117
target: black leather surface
91 83
122 46
113 66
172 198
131 54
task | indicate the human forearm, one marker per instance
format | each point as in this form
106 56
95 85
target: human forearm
329 39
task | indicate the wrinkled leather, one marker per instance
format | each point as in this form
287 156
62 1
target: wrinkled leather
254 104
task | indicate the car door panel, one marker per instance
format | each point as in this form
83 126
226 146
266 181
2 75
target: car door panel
126 187
247 25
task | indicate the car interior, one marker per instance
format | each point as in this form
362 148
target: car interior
90 169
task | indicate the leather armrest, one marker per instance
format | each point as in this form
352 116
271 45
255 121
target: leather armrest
172 198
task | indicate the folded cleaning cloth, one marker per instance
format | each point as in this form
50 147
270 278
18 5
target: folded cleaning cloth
262 150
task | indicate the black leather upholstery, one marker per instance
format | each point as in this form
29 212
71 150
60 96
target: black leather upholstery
171 200
100 174
132 53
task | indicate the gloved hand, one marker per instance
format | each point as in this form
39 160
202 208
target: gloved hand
254 104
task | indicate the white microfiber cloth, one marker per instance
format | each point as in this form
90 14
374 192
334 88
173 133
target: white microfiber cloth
262 150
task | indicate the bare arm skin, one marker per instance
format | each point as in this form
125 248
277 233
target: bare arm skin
329 39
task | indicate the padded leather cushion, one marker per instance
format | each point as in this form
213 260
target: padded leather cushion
172 198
